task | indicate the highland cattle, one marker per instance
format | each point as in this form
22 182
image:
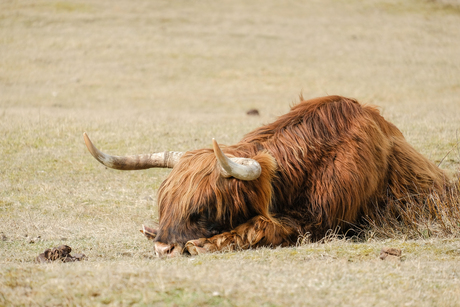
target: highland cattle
330 162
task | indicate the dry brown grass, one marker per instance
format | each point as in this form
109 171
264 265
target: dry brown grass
418 216
143 76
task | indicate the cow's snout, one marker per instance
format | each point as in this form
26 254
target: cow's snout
166 250
162 249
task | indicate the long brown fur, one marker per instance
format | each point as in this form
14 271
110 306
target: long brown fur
328 163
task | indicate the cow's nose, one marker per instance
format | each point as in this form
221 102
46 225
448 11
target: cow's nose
163 249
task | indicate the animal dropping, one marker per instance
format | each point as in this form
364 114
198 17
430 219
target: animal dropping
326 164
59 253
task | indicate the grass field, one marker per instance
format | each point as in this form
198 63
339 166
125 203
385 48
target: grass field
144 76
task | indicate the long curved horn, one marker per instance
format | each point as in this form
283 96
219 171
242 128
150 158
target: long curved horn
165 159
240 168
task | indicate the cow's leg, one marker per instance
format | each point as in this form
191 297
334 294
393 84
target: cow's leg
259 231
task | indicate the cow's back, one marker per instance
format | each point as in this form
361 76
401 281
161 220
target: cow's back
337 160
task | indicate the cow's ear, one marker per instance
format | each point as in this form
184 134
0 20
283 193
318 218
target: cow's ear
262 187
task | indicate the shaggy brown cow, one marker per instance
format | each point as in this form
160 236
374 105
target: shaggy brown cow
327 163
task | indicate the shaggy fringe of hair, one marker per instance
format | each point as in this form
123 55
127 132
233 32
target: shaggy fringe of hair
202 191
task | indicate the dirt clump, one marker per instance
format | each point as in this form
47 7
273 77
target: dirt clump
390 253
253 112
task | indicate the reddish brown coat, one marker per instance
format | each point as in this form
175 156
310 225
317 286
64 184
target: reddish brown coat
329 162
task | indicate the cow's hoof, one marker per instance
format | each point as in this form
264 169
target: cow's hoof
195 250
200 246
